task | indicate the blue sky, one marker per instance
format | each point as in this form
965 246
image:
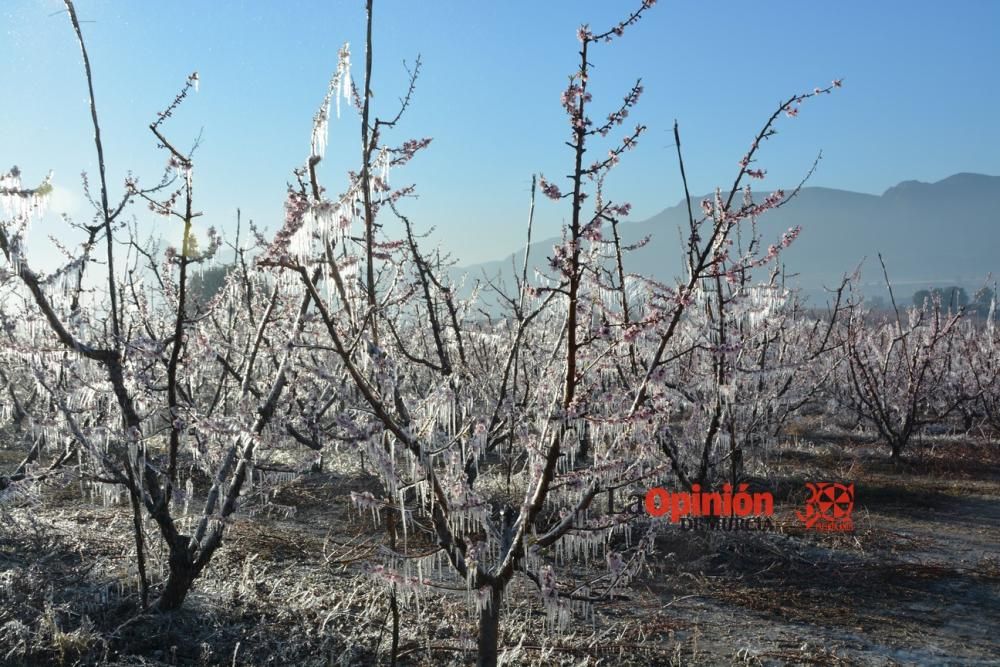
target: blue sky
920 98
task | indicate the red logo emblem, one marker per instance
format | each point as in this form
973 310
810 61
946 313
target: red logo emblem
828 507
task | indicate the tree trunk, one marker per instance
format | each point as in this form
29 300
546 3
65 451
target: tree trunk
179 581
489 631
897 450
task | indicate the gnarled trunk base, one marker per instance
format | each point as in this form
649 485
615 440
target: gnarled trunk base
180 580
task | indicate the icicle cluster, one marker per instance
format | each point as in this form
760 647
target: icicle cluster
340 86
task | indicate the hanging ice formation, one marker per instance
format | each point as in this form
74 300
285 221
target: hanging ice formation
19 203
340 84
763 302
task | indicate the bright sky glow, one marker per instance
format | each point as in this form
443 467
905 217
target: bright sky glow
920 98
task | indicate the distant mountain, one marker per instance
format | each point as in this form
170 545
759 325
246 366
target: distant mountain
930 234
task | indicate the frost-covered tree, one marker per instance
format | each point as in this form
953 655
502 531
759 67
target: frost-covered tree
898 369
147 393
749 356
494 435
471 424
725 355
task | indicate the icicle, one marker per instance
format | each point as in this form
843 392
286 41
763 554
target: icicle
402 515
344 67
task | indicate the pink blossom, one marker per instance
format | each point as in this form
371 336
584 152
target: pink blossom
550 190
620 210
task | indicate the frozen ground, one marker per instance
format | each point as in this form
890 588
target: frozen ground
917 583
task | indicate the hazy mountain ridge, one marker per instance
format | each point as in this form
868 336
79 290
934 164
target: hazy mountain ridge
928 233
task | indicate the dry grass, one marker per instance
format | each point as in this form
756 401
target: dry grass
286 589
